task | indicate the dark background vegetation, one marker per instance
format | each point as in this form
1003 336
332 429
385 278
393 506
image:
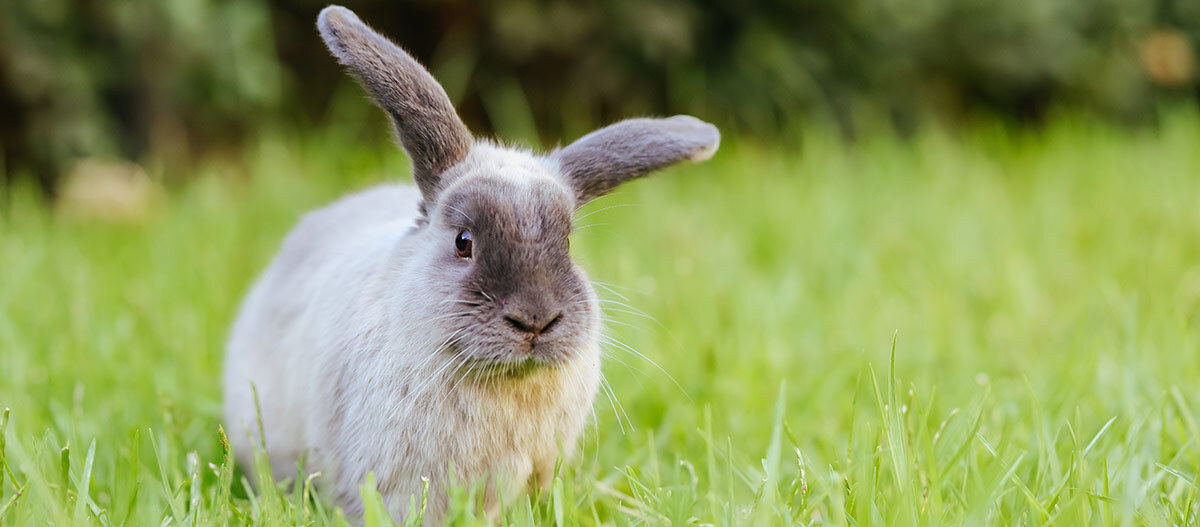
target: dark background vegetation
161 82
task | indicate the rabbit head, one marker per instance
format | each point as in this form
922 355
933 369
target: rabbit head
488 261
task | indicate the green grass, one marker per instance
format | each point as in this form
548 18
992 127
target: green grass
1000 328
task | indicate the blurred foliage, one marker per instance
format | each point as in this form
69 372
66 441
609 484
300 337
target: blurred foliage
163 81
124 77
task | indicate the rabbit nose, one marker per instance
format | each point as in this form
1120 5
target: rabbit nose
534 324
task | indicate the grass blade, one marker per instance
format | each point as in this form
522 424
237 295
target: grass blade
83 486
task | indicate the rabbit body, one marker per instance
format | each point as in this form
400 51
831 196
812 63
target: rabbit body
440 332
337 343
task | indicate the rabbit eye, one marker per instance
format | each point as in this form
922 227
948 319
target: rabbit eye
462 244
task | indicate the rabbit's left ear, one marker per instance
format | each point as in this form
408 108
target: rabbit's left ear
602 160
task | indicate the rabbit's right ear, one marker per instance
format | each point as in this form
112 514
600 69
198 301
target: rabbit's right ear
601 161
425 120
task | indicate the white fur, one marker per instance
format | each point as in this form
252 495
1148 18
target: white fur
705 153
344 309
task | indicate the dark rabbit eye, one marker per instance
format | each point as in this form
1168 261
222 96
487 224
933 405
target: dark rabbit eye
462 244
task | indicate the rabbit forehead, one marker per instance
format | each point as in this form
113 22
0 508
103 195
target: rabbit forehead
511 209
509 192
495 162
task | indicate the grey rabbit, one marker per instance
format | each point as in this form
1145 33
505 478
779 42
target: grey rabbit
440 331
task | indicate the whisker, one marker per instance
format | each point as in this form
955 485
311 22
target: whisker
460 301
612 288
449 315
445 345
630 308
458 210
492 375
463 378
578 228
420 367
435 377
616 402
609 320
638 312
459 363
582 292
629 366
597 211
596 422
621 345
577 381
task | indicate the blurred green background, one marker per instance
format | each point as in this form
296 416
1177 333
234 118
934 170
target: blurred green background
163 83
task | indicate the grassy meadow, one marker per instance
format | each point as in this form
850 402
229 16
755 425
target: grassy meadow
987 328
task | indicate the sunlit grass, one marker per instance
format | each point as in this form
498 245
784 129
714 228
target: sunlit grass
1001 328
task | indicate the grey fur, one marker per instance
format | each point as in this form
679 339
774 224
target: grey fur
423 117
375 347
602 160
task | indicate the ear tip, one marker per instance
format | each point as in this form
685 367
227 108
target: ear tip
334 11
704 153
332 18
707 135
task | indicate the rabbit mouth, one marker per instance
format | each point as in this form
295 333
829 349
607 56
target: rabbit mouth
520 368
515 359
506 368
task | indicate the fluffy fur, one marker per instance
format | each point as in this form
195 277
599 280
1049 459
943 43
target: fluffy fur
376 345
